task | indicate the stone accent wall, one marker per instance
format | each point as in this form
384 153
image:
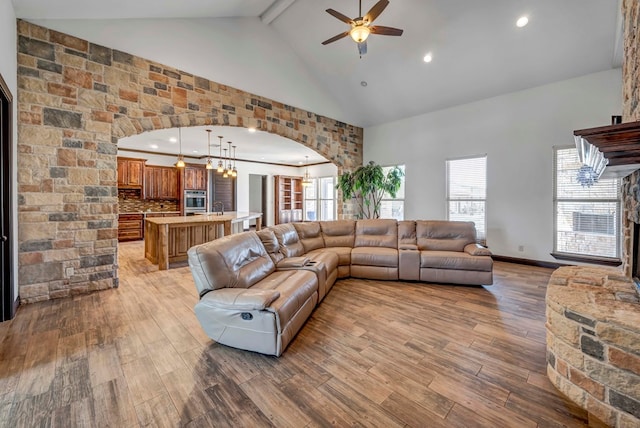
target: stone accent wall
593 342
630 113
75 100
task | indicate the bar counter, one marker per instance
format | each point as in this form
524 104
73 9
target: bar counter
167 239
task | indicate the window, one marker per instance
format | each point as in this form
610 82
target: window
587 219
320 199
467 192
393 207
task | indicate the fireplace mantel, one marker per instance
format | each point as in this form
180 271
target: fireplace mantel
620 143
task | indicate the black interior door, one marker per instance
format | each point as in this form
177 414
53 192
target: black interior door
6 238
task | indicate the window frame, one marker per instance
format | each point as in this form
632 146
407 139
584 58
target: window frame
577 257
387 198
448 199
317 201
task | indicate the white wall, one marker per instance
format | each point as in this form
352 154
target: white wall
517 131
8 70
239 52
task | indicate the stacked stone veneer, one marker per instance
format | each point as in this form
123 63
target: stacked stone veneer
593 342
75 100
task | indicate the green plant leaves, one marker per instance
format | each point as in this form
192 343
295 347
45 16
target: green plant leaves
368 185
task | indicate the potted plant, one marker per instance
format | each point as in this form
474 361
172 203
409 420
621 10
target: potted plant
367 185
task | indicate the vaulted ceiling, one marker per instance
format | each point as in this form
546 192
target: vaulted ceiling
478 51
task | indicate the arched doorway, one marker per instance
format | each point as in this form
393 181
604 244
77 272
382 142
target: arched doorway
72 114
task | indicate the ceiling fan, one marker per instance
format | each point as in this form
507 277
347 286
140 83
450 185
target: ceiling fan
361 26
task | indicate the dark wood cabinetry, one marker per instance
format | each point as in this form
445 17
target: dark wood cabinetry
161 182
195 178
130 172
288 199
130 227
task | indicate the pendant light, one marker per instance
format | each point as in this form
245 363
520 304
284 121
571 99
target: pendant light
180 163
229 166
225 175
234 171
220 164
209 160
306 180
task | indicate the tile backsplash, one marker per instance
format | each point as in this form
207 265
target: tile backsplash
130 200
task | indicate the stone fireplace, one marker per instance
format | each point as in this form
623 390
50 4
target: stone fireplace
593 342
593 314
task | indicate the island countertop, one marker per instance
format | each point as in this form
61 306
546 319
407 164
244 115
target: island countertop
233 216
167 239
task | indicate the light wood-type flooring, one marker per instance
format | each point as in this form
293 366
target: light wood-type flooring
374 353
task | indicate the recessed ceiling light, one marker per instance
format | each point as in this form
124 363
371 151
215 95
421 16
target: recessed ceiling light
173 139
522 21
154 146
252 129
299 162
363 84
262 158
428 57
195 151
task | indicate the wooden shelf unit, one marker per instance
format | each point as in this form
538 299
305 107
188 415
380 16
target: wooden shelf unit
289 199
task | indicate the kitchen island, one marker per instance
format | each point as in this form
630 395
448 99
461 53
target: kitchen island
167 239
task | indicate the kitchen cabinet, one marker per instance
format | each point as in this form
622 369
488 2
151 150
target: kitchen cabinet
130 172
288 199
130 227
161 182
195 178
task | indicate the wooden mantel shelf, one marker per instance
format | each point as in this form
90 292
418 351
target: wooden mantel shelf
620 144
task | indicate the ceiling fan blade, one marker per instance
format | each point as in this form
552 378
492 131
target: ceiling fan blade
362 48
376 10
340 16
386 31
334 38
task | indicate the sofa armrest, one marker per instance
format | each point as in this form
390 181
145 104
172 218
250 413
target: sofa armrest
242 299
476 250
292 262
407 247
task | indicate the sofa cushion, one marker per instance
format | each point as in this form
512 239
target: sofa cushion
290 245
310 235
455 260
344 254
338 233
328 257
295 288
271 245
374 256
234 261
376 233
407 234
445 235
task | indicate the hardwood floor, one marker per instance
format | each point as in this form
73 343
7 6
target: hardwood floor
374 353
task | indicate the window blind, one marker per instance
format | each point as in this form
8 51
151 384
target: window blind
467 192
587 219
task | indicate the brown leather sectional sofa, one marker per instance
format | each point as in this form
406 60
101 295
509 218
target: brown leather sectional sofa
258 288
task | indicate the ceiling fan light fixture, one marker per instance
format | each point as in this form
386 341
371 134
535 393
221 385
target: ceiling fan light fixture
359 33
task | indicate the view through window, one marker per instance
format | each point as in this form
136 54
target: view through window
393 207
587 219
320 199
